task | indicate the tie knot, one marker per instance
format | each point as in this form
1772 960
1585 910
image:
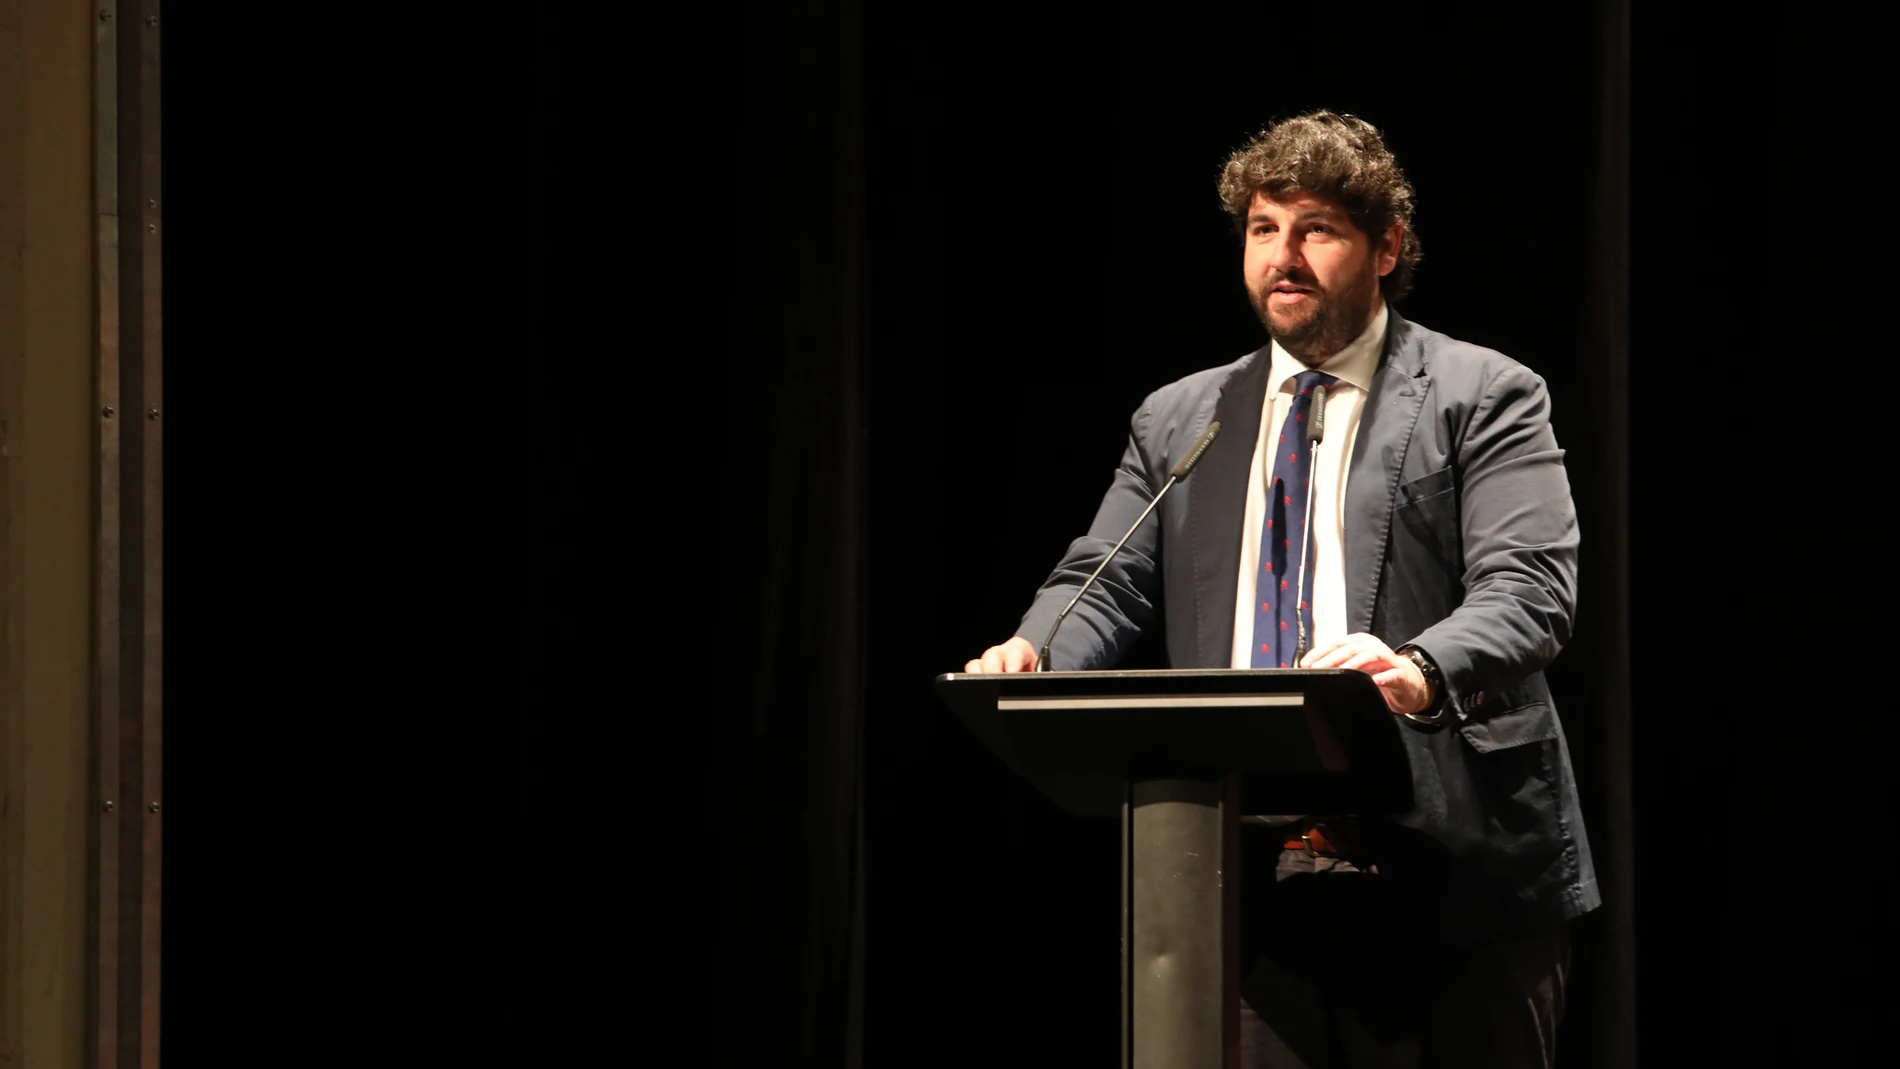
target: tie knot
1304 382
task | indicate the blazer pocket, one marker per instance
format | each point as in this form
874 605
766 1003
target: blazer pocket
1422 489
1426 528
1514 727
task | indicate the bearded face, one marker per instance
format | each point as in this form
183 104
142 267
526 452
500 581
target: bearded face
1313 277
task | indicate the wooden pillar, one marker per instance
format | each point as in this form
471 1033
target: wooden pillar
47 434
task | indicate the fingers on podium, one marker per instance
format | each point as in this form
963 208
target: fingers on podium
1016 655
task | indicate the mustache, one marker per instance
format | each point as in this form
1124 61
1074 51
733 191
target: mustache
1297 279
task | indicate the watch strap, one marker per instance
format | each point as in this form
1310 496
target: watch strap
1435 712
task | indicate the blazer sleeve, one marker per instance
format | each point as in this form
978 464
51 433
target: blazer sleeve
1518 527
1121 604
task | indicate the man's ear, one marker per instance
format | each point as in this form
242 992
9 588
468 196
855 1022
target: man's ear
1388 249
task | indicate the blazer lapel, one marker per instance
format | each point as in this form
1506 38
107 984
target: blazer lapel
1378 456
1217 505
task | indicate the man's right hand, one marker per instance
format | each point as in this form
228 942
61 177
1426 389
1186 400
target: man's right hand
1016 655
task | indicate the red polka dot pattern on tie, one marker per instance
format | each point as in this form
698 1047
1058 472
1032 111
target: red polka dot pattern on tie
1283 614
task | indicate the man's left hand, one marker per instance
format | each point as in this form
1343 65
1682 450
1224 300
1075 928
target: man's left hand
1397 678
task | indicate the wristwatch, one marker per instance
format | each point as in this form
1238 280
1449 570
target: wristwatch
1435 711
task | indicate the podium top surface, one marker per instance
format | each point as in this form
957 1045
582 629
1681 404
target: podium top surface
1316 739
973 692
1186 676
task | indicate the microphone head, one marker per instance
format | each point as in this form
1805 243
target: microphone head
1316 423
1193 457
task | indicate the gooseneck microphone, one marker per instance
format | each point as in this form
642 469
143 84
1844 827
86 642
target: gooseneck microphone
1175 474
1316 430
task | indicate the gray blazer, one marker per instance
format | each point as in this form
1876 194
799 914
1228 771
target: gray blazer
1460 537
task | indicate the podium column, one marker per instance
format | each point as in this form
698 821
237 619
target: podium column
1180 917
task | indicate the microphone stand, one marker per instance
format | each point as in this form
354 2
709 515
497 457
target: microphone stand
1317 431
1180 471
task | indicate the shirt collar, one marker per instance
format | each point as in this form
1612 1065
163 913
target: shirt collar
1352 366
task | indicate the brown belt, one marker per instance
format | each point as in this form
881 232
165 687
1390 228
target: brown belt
1318 840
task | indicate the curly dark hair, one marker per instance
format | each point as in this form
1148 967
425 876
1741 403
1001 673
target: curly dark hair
1332 155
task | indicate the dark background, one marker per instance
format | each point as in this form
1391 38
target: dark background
589 434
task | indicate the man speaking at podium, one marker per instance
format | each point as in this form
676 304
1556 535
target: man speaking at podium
1440 558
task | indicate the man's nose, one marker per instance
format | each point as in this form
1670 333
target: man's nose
1283 254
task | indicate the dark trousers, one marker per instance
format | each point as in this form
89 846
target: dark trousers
1339 970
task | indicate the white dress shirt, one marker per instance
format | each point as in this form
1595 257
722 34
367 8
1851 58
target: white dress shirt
1345 400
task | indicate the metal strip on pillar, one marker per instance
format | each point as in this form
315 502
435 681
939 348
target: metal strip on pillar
128 607
1128 926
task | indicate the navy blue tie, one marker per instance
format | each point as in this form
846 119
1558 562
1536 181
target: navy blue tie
1278 608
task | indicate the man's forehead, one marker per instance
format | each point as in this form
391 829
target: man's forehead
1296 202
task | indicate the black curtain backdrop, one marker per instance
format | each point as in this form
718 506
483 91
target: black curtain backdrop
365 515
589 433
